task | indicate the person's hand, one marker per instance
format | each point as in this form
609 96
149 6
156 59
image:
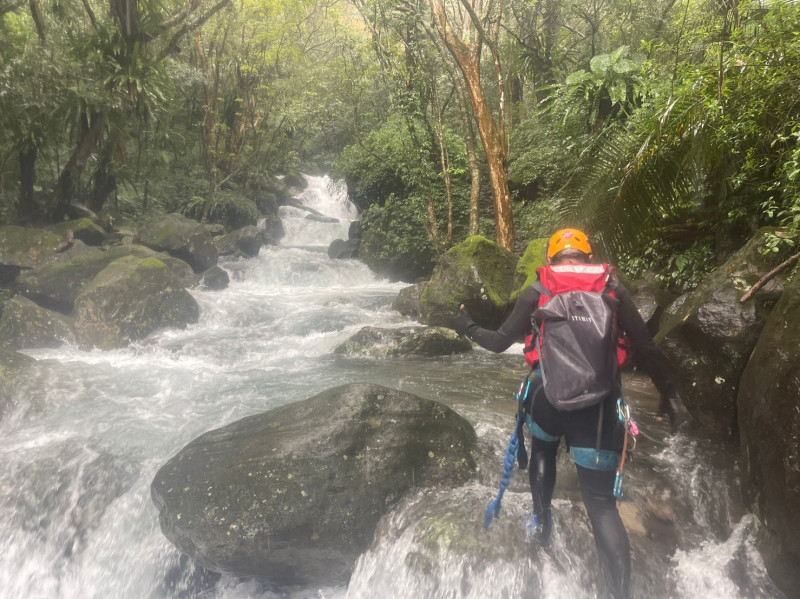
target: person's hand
670 407
463 322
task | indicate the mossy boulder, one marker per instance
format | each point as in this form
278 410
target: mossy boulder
478 273
710 335
56 285
84 229
535 256
182 238
130 299
404 342
26 325
294 495
23 247
769 429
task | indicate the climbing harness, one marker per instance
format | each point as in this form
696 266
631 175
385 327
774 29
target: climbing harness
631 432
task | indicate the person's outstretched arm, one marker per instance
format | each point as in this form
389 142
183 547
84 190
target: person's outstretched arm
513 330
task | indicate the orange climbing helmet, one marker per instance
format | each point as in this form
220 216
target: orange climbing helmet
568 239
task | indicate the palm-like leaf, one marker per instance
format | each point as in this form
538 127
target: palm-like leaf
636 177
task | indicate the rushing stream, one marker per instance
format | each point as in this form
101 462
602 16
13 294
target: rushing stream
84 438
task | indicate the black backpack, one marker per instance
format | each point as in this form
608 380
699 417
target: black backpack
576 339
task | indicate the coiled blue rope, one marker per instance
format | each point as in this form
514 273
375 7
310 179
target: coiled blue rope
493 511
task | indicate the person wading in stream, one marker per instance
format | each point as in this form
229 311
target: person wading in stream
591 426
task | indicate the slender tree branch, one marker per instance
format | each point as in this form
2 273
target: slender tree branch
769 276
172 46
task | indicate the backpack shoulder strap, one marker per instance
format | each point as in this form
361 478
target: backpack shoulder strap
539 286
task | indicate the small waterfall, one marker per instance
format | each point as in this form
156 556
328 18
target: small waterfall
321 213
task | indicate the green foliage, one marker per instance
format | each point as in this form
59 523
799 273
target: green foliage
395 241
713 149
610 84
398 161
675 269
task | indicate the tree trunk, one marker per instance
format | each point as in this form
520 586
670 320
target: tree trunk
104 182
71 175
26 211
209 130
496 158
492 132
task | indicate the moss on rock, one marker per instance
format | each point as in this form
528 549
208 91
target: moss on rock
478 273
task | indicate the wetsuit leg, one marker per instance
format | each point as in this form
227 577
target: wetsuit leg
542 473
613 547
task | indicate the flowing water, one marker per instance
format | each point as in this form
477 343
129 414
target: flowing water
83 439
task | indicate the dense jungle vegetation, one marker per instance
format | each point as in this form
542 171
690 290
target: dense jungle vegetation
667 128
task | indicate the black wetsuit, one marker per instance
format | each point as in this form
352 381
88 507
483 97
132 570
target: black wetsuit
580 429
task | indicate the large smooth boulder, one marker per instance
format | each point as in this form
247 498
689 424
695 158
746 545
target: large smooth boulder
709 336
769 428
294 495
478 273
130 299
56 285
26 325
404 341
183 238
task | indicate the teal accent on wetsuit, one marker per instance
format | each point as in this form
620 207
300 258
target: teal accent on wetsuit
594 459
537 431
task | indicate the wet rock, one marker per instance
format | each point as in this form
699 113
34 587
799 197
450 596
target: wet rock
26 325
272 230
56 285
130 299
355 230
182 238
407 300
769 428
710 336
63 496
294 495
478 273
215 279
404 341
343 250
247 240
13 366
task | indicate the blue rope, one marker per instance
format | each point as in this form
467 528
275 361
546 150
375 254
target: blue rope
493 511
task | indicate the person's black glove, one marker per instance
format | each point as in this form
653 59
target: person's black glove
463 322
670 407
